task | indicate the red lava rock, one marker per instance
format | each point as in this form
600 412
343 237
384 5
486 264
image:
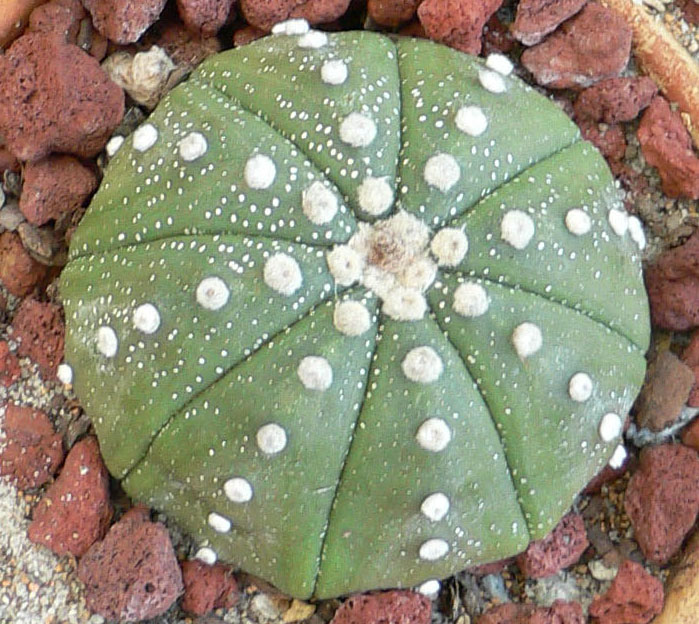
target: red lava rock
537 18
8 162
75 511
392 12
61 17
389 607
690 10
604 476
9 365
559 549
672 282
184 48
609 140
207 587
690 435
413 29
497 37
123 21
13 18
133 573
615 99
592 46
667 145
457 23
32 450
40 331
634 597
662 499
55 97
246 35
205 17
19 272
54 186
665 391
559 612
266 13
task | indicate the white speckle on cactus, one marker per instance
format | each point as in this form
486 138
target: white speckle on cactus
442 171
527 339
499 63
146 318
218 523
517 228
193 146
345 265
212 293
430 588
260 172
271 438
580 387
313 39
358 130
470 300
449 246
618 457
422 364
334 72
315 373
319 203
206 555
283 274
435 506
296 26
375 195
114 144
433 549
144 137
433 435
610 426
107 342
636 232
238 490
471 120
578 222
65 373
492 81
404 304
619 220
351 318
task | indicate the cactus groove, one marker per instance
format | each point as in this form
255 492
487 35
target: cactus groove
356 312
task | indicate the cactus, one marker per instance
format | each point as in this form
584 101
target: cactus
356 311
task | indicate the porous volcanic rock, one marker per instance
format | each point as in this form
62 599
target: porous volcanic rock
40 331
266 13
537 18
609 140
19 272
9 364
392 12
124 21
205 17
207 587
559 612
389 607
615 99
690 435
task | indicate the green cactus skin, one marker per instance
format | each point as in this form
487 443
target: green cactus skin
289 361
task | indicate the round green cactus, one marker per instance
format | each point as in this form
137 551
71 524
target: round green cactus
355 311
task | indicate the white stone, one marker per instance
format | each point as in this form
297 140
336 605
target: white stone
422 364
492 81
517 228
442 171
430 588
296 26
283 274
578 222
193 146
433 435
375 195
259 172
358 130
580 387
618 457
449 246
65 374
471 300
471 120
212 293
610 426
271 438
433 549
404 304
619 221
351 318
107 341
207 555
418 274
146 318
238 490
435 506
334 72
636 232
219 523
527 339
499 63
345 265
315 373
319 203
313 39
114 144
144 137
